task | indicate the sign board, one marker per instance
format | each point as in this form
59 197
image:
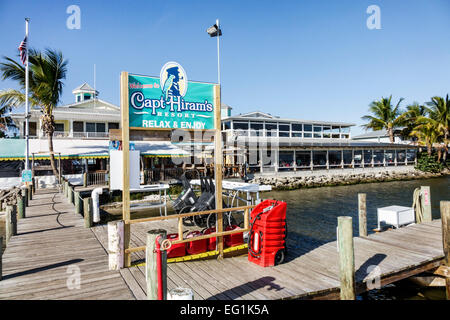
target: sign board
170 101
26 176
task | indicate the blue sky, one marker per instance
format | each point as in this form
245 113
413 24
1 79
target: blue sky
308 59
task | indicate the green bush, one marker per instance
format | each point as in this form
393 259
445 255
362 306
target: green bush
428 163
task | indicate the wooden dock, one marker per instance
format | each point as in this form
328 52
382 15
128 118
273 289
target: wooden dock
52 238
51 249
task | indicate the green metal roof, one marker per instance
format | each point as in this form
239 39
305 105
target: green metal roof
12 148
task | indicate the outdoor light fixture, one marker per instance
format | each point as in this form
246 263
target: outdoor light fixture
214 30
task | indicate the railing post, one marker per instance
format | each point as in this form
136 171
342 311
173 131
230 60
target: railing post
70 197
246 221
77 202
25 195
87 208
362 214
11 222
66 188
85 179
445 219
21 206
151 262
426 203
346 258
30 192
115 244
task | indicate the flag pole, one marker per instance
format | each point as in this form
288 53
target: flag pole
27 146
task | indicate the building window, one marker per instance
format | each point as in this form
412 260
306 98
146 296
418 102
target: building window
227 125
284 130
303 159
320 158
78 126
335 130
297 127
113 125
286 160
411 155
367 158
389 157
271 129
100 127
334 158
317 131
256 129
90 127
358 156
401 157
347 155
59 127
307 135
87 96
297 134
326 131
378 157
307 128
32 129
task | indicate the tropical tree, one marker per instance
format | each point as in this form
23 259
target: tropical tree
427 133
47 70
412 114
385 116
5 120
439 116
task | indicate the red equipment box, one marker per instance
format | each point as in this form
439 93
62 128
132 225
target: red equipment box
176 250
268 232
198 246
211 241
235 239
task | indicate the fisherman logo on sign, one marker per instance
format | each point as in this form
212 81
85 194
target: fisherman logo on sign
170 101
173 80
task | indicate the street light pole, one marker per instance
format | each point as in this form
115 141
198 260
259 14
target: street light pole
218 53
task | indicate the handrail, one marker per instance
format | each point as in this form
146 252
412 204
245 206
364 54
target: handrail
190 214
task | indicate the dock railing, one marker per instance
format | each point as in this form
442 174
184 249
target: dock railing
168 243
119 235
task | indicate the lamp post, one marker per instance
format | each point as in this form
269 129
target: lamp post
215 31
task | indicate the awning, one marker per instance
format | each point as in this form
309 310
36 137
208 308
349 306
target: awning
14 149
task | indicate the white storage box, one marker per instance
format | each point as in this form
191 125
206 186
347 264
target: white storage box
395 216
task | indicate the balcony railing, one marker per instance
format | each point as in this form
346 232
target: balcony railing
82 135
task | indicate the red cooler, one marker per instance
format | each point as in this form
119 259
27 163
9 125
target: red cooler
268 232
235 239
211 241
198 246
176 250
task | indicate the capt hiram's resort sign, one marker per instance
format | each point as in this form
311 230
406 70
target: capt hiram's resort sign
170 101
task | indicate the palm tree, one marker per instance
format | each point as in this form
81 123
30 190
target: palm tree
412 114
5 120
439 116
46 73
384 116
427 133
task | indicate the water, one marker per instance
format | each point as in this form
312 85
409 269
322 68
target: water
312 216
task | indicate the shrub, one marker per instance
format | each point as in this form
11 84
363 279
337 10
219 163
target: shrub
428 163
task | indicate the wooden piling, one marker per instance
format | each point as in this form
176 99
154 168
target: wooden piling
426 203
346 258
87 208
77 202
85 179
25 196
116 244
30 193
445 219
70 195
21 206
151 264
66 188
362 214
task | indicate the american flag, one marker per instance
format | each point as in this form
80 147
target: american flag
23 50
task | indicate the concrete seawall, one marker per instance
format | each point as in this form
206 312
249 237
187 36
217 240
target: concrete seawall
335 177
